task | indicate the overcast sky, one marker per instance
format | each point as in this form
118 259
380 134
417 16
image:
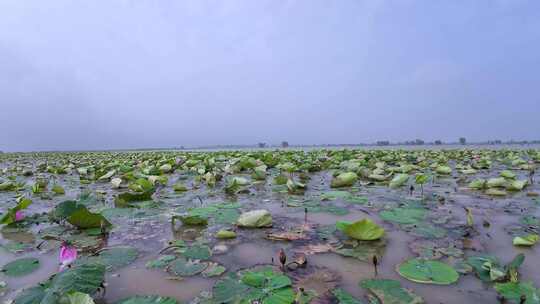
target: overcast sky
132 73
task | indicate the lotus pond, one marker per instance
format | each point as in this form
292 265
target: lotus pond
284 226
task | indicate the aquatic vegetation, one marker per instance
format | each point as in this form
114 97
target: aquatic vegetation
364 230
390 291
255 219
427 272
20 267
268 226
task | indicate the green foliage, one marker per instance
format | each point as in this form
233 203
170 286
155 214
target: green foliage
428 272
20 267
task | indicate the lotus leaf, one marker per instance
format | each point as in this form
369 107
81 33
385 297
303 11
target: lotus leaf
428 272
364 230
255 219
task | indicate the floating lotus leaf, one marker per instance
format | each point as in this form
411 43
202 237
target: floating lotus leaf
123 200
161 262
75 297
198 252
478 184
496 182
179 187
345 179
426 230
332 195
20 267
66 208
485 267
84 219
255 219
404 215
194 220
508 174
186 268
443 170
117 257
344 297
421 179
341 225
496 192
165 168
390 292
517 291
428 272
225 234
364 230
58 190
295 187
213 270
527 240
469 171
259 173
84 278
363 251
399 180
378 177
107 175
148 300
516 185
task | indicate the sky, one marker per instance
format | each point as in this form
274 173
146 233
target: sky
114 74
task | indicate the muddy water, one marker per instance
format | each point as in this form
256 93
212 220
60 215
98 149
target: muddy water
150 234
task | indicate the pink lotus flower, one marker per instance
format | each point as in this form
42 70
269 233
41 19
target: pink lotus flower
68 255
19 215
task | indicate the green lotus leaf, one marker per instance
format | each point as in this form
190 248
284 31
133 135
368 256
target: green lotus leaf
255 219
193 220
399 180
508 174
517 291
198 252
345 179
478 184
58 190
165 168
225 234
161 262
443 170
147 300
179 187
107 175
213 270
186 268
20 267
496 192
363 251
117 257
516 185
75 297
85 278
421 179
390 292
344 297
496 182
84 219
404 215
341 225
428 272
527 240
364 230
